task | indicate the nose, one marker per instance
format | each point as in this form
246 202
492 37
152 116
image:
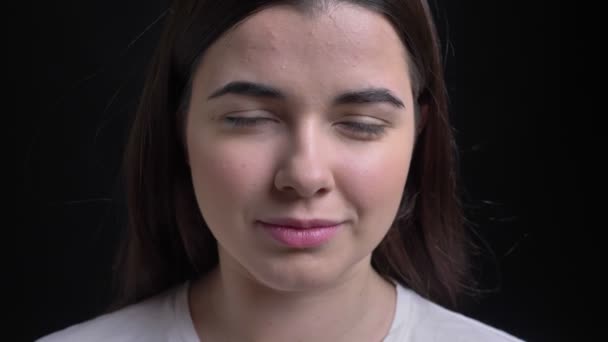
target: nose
304 168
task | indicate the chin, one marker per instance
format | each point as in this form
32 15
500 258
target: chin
298 273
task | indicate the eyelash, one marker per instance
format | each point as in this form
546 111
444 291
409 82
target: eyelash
369 130
243 122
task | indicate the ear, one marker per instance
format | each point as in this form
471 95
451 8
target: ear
423 117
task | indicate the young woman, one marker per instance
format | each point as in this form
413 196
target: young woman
291 177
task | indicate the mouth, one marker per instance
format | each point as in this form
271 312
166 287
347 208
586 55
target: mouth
299 233
289 222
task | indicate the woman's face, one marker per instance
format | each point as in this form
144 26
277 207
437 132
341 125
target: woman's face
308 151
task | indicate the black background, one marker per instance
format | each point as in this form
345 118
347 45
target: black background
503 71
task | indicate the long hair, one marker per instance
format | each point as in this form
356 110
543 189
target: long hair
167 240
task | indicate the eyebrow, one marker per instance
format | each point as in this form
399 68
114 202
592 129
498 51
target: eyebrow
361 96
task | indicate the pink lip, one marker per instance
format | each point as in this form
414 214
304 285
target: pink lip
302 224
301 233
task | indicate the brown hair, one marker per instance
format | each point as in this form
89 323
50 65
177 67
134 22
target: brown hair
167 240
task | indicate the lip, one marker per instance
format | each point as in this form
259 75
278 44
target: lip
301 233
289 222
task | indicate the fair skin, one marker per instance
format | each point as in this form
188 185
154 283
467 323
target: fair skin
303 159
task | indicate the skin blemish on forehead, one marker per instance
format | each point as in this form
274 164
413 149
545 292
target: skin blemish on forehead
269 29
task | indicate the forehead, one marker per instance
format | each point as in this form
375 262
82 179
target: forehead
342 26
334 47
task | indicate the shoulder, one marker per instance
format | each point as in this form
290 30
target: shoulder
153 319
432 322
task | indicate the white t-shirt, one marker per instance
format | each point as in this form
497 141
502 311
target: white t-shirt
166 318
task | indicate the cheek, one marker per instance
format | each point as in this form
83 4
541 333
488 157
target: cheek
226 177
375 184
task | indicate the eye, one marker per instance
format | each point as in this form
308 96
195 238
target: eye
364 129
239 121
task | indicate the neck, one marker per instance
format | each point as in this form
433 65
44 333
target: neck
228 305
